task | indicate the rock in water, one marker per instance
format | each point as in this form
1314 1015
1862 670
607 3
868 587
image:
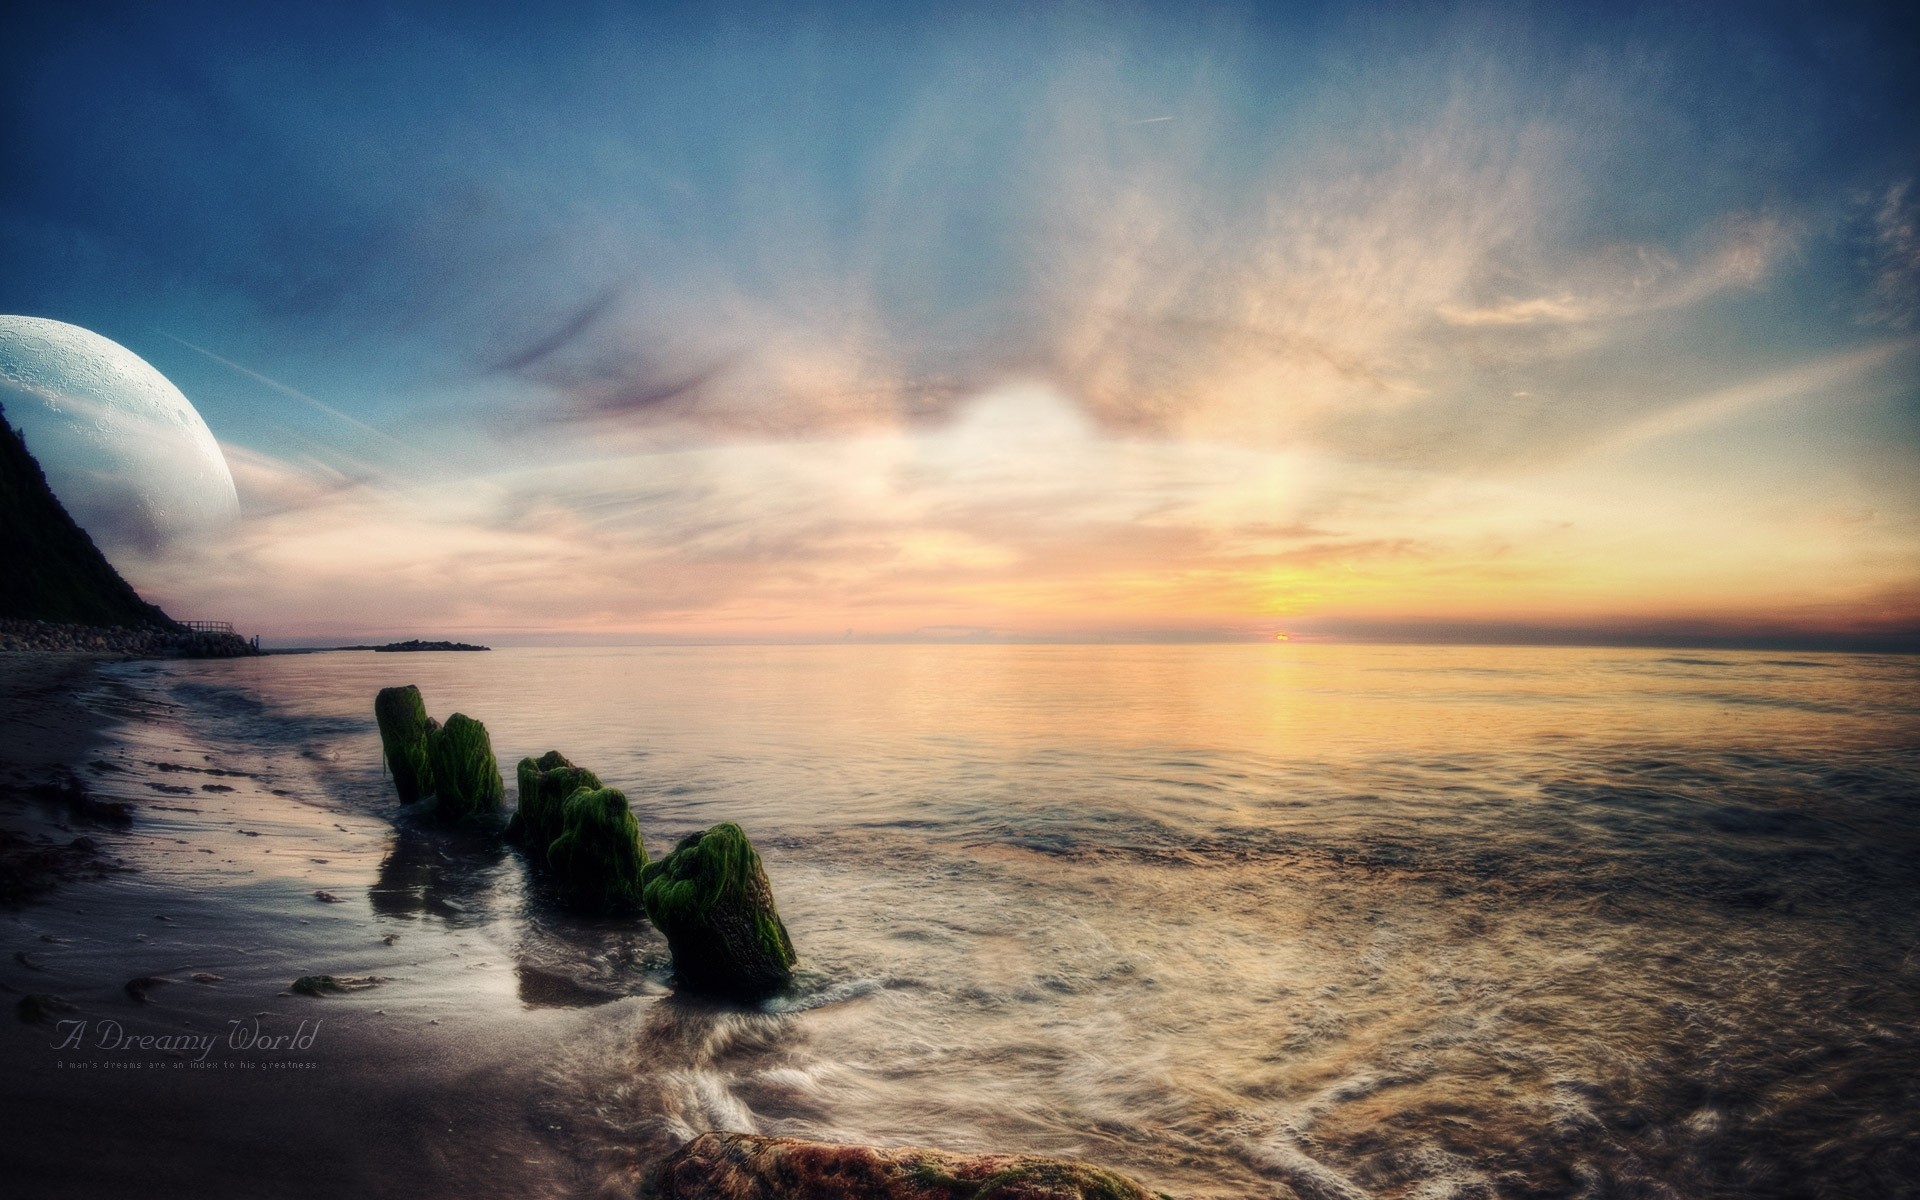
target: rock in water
545 784
599 856
742 1166
464 774
403 738
712 900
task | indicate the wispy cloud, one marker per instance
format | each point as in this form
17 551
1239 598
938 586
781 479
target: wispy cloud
1636 280
1893 262
1811 379
294 393
1076 318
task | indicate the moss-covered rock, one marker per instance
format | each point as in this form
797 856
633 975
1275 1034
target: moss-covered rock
465 776
599 857
712 900
742 1165
404 727
545 784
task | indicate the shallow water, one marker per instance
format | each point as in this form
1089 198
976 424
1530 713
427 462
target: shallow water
1240 920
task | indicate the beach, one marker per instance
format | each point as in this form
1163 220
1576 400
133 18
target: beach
230 1085
1237 921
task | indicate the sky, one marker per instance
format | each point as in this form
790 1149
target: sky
1080 321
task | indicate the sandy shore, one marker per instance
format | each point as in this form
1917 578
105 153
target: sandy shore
152 1045
43 726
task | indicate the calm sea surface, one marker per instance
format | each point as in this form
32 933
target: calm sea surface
1350 921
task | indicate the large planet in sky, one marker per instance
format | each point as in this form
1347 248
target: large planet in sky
125 452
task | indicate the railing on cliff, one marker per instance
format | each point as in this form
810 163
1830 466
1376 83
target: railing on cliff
209 626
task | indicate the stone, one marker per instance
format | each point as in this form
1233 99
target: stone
402 715
465 776
545 784
599 857
744 1166
330 985
711 899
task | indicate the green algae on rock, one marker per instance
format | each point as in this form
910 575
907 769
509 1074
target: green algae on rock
404 737
711 899
545 784
465 776
599 857
739 1166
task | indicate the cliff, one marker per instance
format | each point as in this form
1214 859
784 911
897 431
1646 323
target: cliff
50 570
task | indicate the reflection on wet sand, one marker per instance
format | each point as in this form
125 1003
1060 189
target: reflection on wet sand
565 959
467 877
448 874
540 988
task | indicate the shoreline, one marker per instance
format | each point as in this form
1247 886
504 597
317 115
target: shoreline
155 1001
203 912
1005 967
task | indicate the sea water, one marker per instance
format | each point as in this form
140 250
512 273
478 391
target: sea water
1242 920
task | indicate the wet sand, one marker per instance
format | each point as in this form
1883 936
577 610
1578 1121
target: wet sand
232 1086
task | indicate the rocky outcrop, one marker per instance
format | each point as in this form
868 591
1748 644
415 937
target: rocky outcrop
742 1166
404 735
465 776
599 857
711 899
59 593
416 645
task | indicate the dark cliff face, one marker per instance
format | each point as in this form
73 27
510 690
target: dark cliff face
50 570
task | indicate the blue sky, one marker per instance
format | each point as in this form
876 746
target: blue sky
1084 320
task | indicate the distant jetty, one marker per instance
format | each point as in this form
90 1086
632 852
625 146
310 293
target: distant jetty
416 644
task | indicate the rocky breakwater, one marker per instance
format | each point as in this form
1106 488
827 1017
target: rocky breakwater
146 641
742 1166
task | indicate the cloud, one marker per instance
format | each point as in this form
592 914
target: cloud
1023 516
1893 295
1821 376
1352 294
1043 324
680 246
1020 496
269 486
1636 280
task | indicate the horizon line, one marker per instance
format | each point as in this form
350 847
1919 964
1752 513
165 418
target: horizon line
1895 642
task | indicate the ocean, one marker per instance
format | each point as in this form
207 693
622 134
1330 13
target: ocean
1238 920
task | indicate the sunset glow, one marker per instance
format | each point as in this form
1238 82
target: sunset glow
1070 327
